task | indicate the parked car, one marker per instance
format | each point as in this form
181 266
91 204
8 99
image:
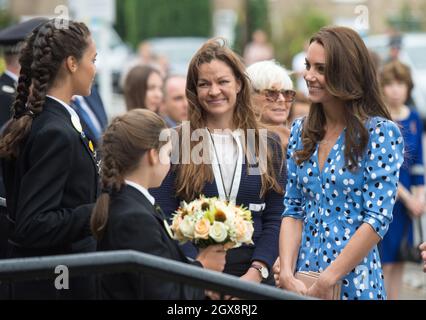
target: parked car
177 50
413 53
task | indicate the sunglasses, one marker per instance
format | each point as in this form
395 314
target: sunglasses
273 95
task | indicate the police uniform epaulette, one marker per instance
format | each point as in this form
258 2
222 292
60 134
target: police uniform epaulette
7 89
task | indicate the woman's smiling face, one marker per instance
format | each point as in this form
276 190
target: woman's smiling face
315 74
217 88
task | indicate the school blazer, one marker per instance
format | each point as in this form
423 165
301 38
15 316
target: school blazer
135 224
51 187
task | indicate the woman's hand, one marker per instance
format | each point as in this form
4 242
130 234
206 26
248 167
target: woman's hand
252 275
212 257
321 289
290 283
415 206
276 271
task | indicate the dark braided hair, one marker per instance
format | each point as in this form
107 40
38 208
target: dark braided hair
124 143
41 59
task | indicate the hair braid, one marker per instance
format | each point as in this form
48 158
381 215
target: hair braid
124 143
41 60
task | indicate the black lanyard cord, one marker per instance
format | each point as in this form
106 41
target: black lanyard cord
227 196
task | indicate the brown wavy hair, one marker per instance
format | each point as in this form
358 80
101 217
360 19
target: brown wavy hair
191 178
136 86
41 59
351 76
397 71
124 143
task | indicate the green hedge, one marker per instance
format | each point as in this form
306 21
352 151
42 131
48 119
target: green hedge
141 19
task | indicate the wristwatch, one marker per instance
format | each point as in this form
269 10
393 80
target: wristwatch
264 273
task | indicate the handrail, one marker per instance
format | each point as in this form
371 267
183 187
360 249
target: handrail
128 260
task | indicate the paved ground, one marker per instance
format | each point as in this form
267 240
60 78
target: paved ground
414 287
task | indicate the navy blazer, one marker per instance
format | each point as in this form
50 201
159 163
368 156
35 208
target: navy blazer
51 186
134 223
266 215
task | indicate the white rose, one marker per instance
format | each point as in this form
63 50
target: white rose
187 227
249 233
218 232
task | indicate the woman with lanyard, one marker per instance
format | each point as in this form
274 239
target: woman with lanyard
49 168
221 112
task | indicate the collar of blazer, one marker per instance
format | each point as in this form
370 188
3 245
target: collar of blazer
57 109
155 209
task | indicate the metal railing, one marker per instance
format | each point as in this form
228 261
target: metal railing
12 270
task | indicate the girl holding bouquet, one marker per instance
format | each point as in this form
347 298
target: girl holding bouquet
125 216
221 111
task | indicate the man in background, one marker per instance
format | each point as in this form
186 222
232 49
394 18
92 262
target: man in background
175 108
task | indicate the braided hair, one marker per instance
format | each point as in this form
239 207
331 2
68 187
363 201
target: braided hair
124 143
41 60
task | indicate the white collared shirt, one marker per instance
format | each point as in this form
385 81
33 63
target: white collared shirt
230 154
143 190
12 75
70 110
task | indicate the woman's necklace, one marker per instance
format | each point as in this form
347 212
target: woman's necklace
227 194
332 137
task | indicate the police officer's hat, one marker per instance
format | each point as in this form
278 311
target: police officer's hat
11 37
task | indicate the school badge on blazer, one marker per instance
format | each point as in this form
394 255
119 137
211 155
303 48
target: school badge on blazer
76 124
168 229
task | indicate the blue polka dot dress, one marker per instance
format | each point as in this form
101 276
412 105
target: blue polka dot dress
335 202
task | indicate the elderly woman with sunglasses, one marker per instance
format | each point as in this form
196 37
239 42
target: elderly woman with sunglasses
273 95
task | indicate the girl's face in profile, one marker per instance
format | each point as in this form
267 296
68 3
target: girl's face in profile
162 166
154 93
315 74
85 74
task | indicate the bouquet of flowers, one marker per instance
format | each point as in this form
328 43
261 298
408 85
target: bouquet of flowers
207 221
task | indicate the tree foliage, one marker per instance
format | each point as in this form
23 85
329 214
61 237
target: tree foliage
254 17
298 28
138 20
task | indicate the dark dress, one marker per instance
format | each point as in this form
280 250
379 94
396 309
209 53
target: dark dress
135 224
50 191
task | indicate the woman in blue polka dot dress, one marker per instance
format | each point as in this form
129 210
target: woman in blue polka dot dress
397 85
343 165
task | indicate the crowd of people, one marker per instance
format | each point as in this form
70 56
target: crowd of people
333 190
